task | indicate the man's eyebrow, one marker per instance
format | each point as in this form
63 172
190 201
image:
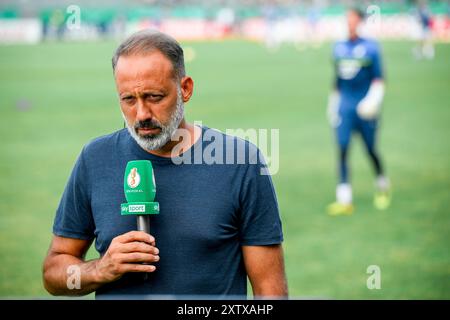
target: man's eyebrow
126 94
143 93
153 91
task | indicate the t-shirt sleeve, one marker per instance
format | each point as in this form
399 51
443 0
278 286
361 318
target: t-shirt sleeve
260 222
334 60
74 216
377 67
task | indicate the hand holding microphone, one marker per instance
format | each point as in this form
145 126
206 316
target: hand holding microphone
134 251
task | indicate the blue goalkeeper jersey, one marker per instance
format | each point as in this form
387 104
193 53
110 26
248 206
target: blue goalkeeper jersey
357 64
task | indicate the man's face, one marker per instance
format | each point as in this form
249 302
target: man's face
150 98
353 21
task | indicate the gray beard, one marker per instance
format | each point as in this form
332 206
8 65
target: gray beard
155 142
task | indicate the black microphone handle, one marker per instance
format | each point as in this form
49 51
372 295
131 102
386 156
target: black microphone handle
143 223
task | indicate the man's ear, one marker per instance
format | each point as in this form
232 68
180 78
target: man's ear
187 88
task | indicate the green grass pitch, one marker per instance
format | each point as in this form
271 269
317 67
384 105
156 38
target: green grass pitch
54 98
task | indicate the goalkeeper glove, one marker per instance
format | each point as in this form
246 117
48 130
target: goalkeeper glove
369 107
333 109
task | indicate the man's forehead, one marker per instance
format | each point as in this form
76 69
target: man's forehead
152 63
354 14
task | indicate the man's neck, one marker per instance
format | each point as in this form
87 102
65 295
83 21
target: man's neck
194 135
354 37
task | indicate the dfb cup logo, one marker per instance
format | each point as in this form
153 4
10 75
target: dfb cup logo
134 178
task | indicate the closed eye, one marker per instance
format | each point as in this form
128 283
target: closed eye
127 99
154 97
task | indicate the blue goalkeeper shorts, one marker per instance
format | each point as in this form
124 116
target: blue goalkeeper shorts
350 122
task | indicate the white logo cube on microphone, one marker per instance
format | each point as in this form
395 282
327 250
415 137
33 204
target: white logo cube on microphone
134 178
136 208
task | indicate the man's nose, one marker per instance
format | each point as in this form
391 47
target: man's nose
143 111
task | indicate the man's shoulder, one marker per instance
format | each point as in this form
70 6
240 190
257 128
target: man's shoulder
341 42
237 137
236 141
104 143
339 45
340 48
371 44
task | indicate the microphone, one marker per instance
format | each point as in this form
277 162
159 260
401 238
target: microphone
140 189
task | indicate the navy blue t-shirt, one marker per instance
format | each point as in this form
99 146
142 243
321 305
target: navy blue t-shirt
207 212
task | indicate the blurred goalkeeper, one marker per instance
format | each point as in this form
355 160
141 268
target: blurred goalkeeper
354 106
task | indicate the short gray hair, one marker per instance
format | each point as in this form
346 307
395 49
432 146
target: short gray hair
146 41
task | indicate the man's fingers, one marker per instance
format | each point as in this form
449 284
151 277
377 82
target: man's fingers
135 236
138 247
137 257
137 268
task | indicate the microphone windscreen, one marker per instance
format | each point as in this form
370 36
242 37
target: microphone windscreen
139 181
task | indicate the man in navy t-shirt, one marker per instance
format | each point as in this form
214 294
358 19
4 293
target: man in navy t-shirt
219 220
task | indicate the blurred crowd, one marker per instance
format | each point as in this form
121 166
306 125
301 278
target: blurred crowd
260 20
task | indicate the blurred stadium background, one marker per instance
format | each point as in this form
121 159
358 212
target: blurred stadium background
256 64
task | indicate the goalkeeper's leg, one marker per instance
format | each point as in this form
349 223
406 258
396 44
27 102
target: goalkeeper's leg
382 198
343 204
